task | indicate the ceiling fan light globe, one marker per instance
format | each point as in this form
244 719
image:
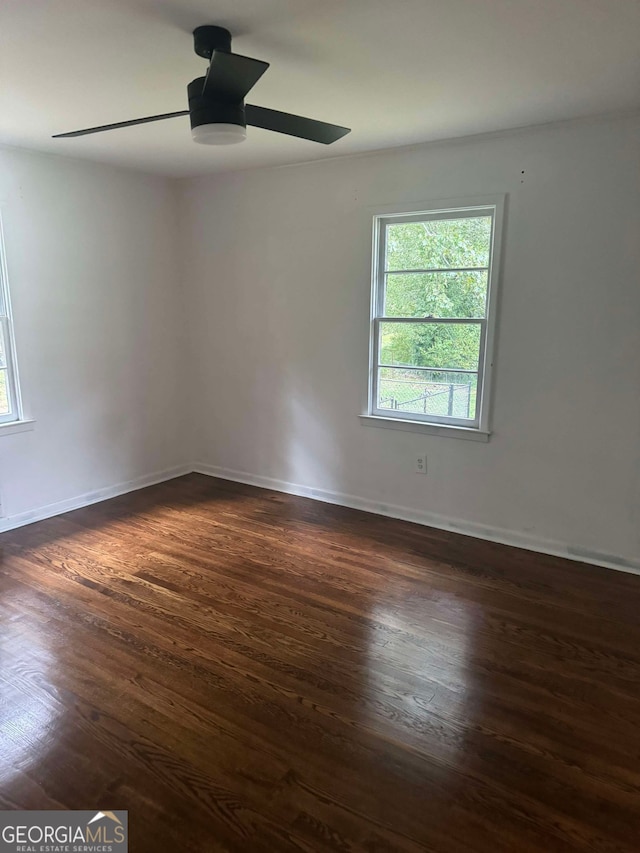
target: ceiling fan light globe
219 134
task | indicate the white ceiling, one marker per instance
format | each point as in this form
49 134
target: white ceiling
396 71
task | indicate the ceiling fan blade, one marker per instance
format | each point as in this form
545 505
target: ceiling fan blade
231 76
305 128
118 124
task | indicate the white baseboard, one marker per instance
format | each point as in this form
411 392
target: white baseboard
468 528
19 520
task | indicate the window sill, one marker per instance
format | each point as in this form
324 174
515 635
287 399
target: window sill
425 429
12 427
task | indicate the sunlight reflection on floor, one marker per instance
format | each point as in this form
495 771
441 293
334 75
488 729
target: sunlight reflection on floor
28 715
420 662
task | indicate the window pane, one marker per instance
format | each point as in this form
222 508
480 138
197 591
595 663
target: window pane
3 353
4 395
438 243
440 345
426 392
449 294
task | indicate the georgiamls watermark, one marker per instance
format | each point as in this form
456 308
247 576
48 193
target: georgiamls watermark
64 832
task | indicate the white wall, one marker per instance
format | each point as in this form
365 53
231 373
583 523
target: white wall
252 290
91 256
279 266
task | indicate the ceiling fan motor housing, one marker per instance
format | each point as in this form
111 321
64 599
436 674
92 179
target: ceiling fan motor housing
207 39
207 111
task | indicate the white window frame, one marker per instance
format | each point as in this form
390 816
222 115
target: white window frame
15 413
440 424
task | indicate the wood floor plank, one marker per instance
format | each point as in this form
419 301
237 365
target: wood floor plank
250 671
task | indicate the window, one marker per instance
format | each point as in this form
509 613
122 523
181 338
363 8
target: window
433 313
10 407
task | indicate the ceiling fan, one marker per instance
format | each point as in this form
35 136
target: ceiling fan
218 113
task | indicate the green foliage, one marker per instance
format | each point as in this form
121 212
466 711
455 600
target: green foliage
436 345
439 244
450 294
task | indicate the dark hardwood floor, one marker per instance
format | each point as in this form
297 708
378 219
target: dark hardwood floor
249 671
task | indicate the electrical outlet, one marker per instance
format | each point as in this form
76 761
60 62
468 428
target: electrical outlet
421 464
